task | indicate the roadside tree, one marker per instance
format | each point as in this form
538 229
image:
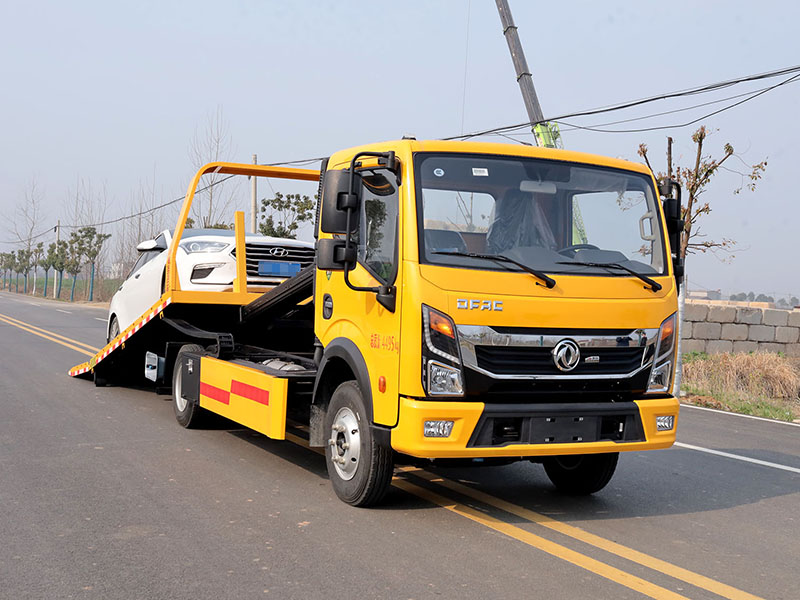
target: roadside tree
283 214
694 180
74 263
37 253
6 265
23 266
92 244
212 143
59 265
48 262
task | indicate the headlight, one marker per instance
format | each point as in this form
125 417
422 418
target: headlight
444 380
666 338
192 246
661 373
441 358
440 334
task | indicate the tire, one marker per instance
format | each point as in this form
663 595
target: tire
582 474
189 414
113 329
360 469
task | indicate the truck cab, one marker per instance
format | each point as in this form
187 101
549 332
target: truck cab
489 301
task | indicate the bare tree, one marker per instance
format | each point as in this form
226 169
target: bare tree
146 223
212 142
27 216
694 180
87 210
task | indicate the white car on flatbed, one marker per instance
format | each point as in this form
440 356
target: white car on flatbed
206 260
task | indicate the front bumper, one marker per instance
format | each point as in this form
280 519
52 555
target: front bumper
565 426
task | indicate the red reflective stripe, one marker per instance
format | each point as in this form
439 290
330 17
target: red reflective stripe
250 392
215 393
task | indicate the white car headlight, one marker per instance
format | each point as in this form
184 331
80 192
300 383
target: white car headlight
192 246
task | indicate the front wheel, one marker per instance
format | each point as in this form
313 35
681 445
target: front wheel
189 414
581 474
360 468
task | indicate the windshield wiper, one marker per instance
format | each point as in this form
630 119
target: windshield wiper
654 285
548 281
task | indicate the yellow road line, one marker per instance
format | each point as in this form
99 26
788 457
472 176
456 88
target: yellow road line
577 533
552 548
581 560
5 319
562 552
656 564
17 322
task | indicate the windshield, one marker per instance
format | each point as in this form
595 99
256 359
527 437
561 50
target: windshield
548 215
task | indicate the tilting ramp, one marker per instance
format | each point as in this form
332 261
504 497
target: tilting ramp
118 344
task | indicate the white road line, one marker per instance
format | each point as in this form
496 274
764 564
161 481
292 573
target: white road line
99 319
755 461
64 311
733 414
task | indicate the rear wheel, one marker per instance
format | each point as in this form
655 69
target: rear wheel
188 413
113 329
581 474
359 467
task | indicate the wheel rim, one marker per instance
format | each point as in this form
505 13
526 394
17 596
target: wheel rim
180 401
345 443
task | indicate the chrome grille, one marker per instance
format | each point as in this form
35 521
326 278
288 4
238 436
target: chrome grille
526 353
277 252
532 360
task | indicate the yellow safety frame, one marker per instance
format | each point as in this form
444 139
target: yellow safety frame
239 295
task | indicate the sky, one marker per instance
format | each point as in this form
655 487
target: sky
109 95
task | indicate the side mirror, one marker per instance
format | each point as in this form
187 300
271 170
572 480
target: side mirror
147 245
672 212
334 255
337 199
151 245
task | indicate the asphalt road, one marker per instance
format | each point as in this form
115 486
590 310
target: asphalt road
104 495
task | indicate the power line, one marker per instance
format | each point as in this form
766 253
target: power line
693 121
304 161
671 112
630 104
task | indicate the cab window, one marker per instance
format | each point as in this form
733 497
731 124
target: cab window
377 246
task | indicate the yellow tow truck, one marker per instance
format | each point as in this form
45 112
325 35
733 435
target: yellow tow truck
452 315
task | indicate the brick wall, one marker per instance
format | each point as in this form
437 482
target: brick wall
724 327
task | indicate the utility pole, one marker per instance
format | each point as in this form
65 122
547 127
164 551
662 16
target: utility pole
544 133
524 77
253 202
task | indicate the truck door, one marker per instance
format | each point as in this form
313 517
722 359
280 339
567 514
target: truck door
357 315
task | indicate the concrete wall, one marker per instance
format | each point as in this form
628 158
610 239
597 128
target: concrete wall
716 327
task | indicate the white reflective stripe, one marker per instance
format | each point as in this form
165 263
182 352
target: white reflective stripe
733 414
755 461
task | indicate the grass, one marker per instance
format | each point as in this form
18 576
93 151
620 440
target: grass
763 384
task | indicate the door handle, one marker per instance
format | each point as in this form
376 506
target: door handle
136 276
